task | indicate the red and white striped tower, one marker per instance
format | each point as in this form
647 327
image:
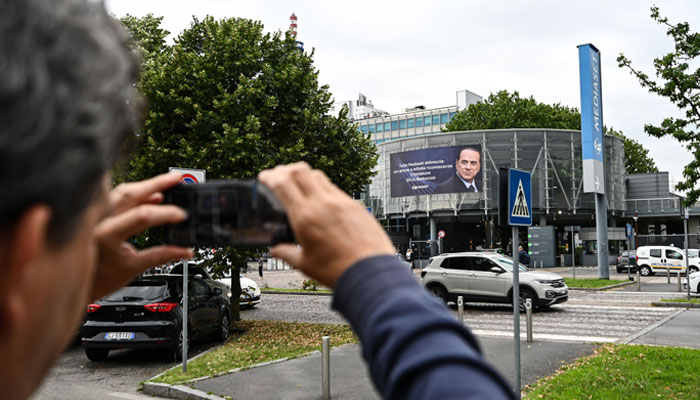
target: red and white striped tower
293 25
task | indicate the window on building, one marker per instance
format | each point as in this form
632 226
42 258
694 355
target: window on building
452 115
379 127
402 124
394 125
443 118
436 120
419 121
426 121
371 128
387 126
411 122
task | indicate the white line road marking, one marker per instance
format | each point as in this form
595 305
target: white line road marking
129 396
562 338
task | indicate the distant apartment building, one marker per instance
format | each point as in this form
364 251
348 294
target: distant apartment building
416 121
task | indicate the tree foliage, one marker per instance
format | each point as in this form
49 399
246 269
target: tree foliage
233 100
146 33
637 160
680 84
505 110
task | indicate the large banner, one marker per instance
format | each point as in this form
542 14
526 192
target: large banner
455 169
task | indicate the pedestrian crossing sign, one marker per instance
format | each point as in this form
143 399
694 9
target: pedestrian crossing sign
519 198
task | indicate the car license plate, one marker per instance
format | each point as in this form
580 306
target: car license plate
119 336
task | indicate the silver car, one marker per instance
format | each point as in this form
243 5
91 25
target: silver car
488 277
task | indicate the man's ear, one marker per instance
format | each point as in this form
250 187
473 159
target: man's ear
20 246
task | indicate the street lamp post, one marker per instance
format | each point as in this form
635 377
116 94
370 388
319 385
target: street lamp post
636 230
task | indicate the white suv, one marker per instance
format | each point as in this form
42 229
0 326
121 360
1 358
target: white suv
488 277
652 259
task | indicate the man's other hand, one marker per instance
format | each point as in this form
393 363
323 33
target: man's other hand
134 208
334 230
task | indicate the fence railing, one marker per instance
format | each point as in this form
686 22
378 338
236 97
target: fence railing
666 206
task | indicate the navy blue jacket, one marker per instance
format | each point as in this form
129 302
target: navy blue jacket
414 347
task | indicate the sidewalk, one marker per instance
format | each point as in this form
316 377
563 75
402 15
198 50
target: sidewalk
301 378
286 279
679 329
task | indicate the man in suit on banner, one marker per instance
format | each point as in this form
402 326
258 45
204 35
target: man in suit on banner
467 167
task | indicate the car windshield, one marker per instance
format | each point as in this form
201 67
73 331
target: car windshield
507 263
693 253
139 290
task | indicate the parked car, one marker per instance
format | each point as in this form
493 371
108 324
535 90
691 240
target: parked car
147 313
652 259
623 261
694 282
250 292
488 277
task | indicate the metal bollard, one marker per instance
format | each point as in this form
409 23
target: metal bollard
326 367
639 281
679 279
528 318
668 275
460 309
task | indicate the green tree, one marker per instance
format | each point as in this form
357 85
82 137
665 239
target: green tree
504 110
637 160
233 100
680 83
146 34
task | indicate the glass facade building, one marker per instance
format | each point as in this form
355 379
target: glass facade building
552 156
405 125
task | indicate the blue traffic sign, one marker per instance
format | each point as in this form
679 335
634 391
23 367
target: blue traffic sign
519 198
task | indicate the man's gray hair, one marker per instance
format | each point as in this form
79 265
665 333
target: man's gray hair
67 104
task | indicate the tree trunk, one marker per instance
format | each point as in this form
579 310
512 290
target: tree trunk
235 293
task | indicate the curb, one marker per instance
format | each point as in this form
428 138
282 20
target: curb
605 287
177 392
310 293
671 304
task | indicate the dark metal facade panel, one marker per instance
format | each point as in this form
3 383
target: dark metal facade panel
647 186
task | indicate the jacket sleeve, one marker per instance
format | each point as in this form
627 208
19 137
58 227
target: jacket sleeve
414 348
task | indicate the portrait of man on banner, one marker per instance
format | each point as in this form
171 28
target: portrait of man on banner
467 174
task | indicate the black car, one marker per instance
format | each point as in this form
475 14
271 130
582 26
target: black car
147 313
623 261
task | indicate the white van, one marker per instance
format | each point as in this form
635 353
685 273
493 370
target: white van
651 259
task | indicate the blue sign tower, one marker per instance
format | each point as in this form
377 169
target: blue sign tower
592 146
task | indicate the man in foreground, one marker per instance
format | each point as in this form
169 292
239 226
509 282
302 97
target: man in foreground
67 97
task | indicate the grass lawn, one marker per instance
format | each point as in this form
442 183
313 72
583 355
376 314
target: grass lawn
296 290
263 341
591 283
625 372
683 300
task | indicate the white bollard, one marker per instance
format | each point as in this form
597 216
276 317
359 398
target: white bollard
326 367
460 309
528 318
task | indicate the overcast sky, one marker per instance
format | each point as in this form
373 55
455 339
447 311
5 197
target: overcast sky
407 53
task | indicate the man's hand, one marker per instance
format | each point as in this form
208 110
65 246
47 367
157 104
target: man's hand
334 230
135 207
